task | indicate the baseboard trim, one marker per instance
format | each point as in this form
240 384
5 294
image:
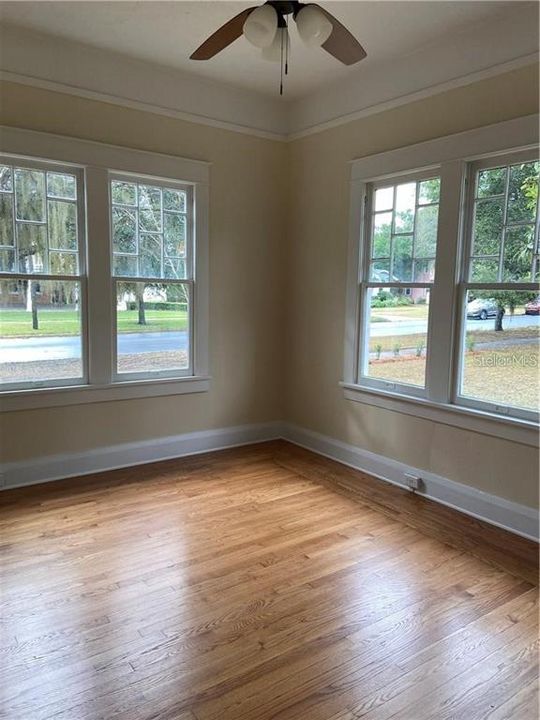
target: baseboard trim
58 467
519 519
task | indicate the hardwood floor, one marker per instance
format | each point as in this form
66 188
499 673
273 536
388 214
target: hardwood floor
256 583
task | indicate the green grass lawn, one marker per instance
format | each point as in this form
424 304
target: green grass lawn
18 323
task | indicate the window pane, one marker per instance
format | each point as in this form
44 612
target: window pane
382 231
174 200
175 234
40 331
488 224
30 195
175 269
124 193
523 193
60 185
424 270
398 322
500 357
125 266
32 244
62 225
6 178
150 198
429 191
124 230
427 220
63 263
152 327
6 219
384 199
150 247
484 270
491 182
402 258
150 220
518 253
404 213
7 260
380 271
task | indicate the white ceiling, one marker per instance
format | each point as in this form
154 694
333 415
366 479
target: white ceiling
165 33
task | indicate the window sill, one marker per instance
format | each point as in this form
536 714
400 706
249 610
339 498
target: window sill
81 394
464 418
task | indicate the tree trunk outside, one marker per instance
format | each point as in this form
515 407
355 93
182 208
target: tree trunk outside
31 305
499 319
140 307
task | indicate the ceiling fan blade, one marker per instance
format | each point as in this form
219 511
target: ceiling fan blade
223 37
341 43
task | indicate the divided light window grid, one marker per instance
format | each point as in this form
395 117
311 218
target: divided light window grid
469 336
42 283
498 368
152 265
401 245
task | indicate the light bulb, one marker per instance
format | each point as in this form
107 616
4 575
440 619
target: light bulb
260 26
313 26
273 52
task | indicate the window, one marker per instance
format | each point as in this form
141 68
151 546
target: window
41 284
103 273
500 343
443 308
402 229
152 268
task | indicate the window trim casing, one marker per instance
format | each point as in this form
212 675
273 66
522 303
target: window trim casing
97 159
451 153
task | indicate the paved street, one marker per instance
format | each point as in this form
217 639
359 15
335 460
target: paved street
62 348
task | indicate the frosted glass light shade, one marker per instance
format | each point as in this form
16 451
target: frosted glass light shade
260 26
313 26
273 52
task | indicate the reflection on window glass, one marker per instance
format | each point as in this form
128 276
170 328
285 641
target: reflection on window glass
505 210
500 354
152 326
149 227
40 330
397 328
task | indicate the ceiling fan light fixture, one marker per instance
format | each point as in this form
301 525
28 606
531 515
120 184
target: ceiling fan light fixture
261 26
272 53
313 26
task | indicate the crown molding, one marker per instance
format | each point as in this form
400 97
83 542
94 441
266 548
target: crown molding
43 61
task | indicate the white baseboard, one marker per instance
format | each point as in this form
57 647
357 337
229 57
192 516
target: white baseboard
57 467
511 516
519 519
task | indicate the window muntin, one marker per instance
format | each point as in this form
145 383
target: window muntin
504 244
401 245
41 283
152 251
499 350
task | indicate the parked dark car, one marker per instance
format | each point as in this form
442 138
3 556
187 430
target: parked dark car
533 307
481 309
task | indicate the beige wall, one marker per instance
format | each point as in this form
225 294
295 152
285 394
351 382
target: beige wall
246 274
278 284
318 235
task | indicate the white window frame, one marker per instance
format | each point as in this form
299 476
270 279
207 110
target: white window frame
449 157
81 277
98 161
190 280
366 283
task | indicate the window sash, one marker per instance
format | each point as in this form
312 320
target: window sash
22 162
365 283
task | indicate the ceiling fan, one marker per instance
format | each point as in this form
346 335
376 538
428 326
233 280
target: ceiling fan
266 27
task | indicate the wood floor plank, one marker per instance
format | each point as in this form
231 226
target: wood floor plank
259 583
